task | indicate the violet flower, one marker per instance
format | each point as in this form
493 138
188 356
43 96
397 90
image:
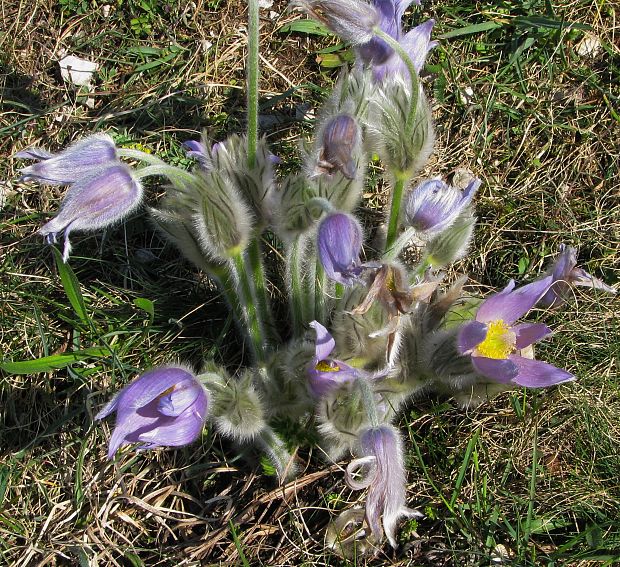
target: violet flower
324 373
164 407
98 199
340 138
384 476
352 20
339 243
433 205
565 273
72 164
493 340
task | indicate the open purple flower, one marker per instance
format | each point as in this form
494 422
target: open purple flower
382 466
565 273
339 243
493 340
98 199
434 205
72 164
164 407
324 373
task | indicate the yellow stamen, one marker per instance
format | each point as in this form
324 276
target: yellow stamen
324 366
499 342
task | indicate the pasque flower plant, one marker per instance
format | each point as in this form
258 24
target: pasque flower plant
395 336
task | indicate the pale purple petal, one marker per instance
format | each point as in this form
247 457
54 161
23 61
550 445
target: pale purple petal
34 153
376 51
511 305
530 333
73 163
368 476
339 244
538 374
417 43
500 370
183 396
324 343
340 138
470 335
321 382
582 278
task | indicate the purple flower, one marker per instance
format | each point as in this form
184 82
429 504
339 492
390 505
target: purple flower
352 20
417 42
164 407
565 273
96 200
340 138
72 164
384 476
493 340
433 205
326 373
339 243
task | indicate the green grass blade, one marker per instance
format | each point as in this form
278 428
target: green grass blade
53 362
72 287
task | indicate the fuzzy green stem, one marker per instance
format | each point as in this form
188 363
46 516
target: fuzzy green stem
368 397
252 79
397 198
413 76
176 175
247 296
320 292
139 155
297 304
260 283
402 241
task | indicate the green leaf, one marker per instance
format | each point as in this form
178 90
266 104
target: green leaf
146 305
53 362
470 30
72 287
549 23
305 26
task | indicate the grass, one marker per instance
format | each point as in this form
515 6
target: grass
530 478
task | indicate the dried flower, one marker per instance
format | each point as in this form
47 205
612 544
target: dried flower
72 164
492 339
382 457
565 273
339 243
97 200
433 205
164 407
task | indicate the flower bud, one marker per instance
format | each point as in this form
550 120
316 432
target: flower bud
452 244
339 243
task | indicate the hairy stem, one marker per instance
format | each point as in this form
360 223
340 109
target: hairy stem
252 79
393 221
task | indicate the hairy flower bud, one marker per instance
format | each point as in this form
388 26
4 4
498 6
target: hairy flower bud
339 243
452 244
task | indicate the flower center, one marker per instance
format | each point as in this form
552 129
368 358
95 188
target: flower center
324 366
499 342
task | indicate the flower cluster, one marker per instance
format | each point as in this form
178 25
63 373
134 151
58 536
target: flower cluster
363 331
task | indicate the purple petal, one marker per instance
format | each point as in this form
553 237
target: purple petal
511 305
417 43
340 138
538 374
73 163
582 278
500 370
339 242
470 335
322 382
324 342
530 333
34 153
182 397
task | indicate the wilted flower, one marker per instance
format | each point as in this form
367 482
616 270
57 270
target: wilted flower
352 20
492 339
384 476
326 373
388 286
340 138
339 243
565 273
433 205
98 199
164 407
72 164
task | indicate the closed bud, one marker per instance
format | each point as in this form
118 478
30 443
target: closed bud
452 244
293 216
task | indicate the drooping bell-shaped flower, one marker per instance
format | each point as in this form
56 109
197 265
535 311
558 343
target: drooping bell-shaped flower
339 243
96 200
493 339
352 20
341 137
72 164
433 205
165 407
382 470
324 373
565 274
